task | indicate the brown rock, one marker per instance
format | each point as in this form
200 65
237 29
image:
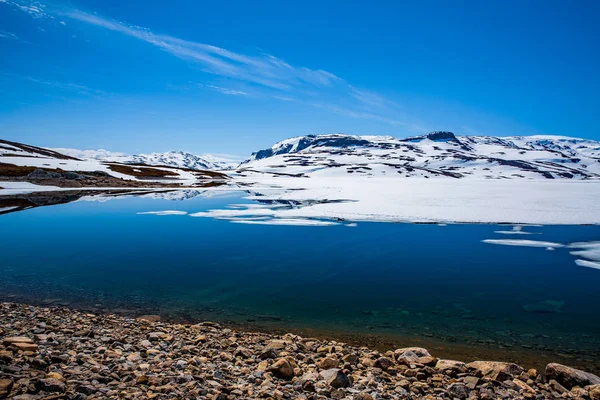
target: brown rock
557 387
25 346
383 363
149 318
6 356
458 390
457 366
276 344
51 385
471 381
335 378
427 360
367 362
594 392
337 394
499 371
350 359
283 368
527 390
570 377
419 351
328 362
6 386
17 339
55 375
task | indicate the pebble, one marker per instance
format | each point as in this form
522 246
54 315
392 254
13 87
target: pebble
82 356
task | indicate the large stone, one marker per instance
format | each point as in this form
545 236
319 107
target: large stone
458 390
457 366
55 375
276 344
149 318
383 363
408 358
471 381
419 351
328 362
283 368
25 346
17 339
6 356
350 358
570 377
335 378
594 392
527 390
6 386
496 370
51 385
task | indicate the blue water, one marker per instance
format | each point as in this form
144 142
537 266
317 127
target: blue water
393 280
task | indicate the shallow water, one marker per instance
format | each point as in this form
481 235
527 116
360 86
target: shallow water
383 279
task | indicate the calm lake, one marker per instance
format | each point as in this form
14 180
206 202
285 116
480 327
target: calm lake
404 283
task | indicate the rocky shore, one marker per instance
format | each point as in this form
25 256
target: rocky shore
59 353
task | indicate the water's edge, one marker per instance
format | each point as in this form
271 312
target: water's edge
527 358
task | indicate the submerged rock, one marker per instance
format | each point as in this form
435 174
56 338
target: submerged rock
545 307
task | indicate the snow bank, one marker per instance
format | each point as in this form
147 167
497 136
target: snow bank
438 200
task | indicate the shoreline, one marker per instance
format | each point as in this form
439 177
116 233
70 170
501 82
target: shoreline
61 350
452 348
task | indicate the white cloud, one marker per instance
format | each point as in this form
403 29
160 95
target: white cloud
225 90
265 74
67 86
34 8
8 35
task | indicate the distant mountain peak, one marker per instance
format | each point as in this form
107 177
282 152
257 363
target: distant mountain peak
435 154
441 135
173 158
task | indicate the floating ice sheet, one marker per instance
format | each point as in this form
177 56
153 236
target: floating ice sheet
165 212
523 243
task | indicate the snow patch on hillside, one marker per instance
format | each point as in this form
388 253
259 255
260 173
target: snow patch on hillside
178 159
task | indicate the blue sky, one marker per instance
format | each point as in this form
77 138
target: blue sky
236 76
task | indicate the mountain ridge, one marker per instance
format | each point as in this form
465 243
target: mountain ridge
173 158
440 153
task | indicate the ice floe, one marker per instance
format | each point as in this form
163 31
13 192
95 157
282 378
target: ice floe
165 212
285 221
524 243
588 250
589 264
516 230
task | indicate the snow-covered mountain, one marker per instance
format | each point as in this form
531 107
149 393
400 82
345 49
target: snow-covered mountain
25 163
436 154
176 159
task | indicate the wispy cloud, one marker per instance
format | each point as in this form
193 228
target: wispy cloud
12 36
224 90
256 75
264 69
33 8
67 86
8 35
